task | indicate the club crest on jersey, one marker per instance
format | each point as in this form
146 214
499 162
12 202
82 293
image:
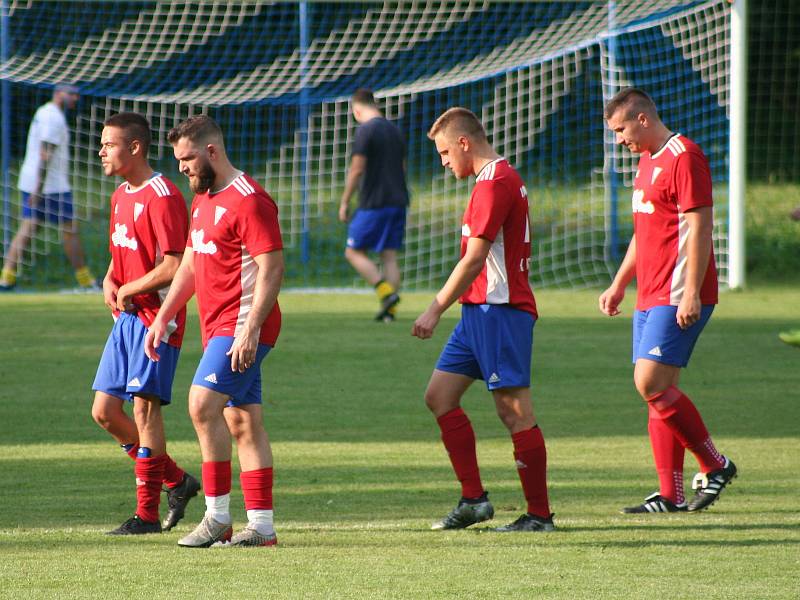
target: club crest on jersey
120 237
639 204
199 245
218 212
656 173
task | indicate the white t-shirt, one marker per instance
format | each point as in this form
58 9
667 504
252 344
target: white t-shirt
48 125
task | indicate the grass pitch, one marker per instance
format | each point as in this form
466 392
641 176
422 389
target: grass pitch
360 473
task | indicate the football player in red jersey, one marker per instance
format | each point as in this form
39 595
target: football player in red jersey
234 263
147 237
494 339
672 258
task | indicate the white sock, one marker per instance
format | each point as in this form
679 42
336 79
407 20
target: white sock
261 521
218 508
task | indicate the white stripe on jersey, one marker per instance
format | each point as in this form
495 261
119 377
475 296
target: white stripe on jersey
496 273
678 282
239 187
159 186
487 172
676 147
248 282
244 186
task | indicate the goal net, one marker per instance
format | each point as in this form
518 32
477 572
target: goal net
277 77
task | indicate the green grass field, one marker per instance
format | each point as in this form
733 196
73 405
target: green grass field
360 472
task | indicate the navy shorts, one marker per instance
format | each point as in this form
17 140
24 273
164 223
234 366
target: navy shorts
214 372
56 208
493 342
656 335
125 371
377 229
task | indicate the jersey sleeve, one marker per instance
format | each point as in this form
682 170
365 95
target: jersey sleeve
692 180
491 204
51 128
258 224
191 211
170 220
361 143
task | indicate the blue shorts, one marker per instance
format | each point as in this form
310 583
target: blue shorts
125 371
656 335
493 342
214 372
377 229
56 208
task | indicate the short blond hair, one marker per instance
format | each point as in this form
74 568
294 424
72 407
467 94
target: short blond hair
458 121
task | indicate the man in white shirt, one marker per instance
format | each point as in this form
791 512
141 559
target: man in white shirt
46 191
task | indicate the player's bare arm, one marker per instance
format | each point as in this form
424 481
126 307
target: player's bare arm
358 165
157 278
464 273
610 299
45 154
265 293
180 291
698 253
110 287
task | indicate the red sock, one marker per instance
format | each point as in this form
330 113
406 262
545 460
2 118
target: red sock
257 489
681 416
668 454
459 441
216 478
531 456
149 475
173 474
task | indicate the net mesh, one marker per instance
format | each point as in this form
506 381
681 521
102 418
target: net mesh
277 77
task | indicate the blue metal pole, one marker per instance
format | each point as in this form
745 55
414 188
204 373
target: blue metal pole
5 125
613 175
303 114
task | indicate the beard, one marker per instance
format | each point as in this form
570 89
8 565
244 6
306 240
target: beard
204 179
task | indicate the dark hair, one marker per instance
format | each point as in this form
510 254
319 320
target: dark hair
364 96
458 121
134 126
633 101
197 128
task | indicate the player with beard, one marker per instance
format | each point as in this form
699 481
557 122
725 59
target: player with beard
234 263
148 229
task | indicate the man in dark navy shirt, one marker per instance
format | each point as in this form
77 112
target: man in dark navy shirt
378 163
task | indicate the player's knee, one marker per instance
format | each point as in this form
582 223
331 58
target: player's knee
101 416
647 387
439 403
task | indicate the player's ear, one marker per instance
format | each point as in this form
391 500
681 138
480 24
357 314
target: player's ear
134 147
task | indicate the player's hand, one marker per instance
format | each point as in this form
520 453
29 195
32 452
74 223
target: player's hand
688 311
343 213
34 199
243 351
609 301
426 323
124 299
110 293
153 340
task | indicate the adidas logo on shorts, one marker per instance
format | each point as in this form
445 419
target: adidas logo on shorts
211 378
656 351
494 378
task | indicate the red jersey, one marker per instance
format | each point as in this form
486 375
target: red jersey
145 225
675 179
228 229
498 211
